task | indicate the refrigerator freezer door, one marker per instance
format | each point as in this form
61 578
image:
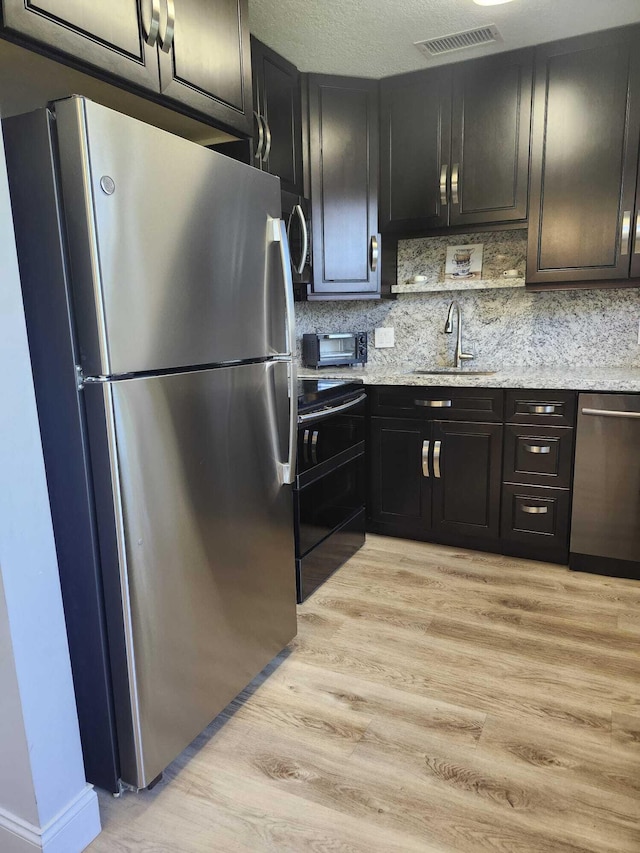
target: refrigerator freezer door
205 542
173 258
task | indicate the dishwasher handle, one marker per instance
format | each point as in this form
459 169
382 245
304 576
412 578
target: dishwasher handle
609 413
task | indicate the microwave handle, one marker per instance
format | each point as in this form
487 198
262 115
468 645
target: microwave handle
305 238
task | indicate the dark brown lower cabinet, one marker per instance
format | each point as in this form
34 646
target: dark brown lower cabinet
438 471
465 479
436 480
535 522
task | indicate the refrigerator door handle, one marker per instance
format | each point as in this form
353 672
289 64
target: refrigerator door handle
279 235
287 470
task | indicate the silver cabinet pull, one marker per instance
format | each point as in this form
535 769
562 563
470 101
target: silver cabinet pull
443 183
610 413
169 28
536 409
305 446
314 447
534 510
151 31
374 253
267 147
455 175
537 448
436 458
425 458
258 152
626 232
636 248
305 239
434 404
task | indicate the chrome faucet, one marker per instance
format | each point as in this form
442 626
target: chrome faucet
448 328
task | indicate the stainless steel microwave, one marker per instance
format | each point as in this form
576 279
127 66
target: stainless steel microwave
334 349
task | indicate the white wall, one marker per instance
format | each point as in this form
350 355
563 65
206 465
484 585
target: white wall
45 802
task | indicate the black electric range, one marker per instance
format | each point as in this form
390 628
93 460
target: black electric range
317 393
329 490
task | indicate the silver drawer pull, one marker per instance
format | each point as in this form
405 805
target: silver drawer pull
534 510
537 448
541 410
425 458
434 404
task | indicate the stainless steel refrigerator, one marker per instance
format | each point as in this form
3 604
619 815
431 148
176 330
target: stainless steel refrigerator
158 298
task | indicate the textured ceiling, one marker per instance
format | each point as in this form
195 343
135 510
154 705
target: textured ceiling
374 38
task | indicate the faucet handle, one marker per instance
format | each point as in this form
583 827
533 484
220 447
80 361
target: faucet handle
465 356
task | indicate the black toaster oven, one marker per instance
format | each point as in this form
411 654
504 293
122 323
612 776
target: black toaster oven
334 349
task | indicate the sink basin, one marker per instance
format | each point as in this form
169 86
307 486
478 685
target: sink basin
453 371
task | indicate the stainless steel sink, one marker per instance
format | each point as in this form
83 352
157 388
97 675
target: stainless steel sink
453 371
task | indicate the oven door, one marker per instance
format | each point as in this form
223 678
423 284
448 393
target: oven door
297 217
330 436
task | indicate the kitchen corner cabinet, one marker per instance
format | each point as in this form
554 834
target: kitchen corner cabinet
196 55
432 475
586 133
343 131
278 116
455 144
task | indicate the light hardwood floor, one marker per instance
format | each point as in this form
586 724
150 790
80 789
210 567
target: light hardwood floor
434 699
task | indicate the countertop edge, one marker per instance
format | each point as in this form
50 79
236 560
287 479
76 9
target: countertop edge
615 379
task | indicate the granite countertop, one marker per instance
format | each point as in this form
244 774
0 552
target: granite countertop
622 379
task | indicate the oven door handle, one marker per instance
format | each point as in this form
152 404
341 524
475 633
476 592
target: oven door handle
325 413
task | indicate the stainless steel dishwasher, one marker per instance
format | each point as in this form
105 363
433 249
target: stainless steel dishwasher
605 523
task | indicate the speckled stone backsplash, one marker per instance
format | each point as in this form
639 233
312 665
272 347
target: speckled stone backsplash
504 250
579 328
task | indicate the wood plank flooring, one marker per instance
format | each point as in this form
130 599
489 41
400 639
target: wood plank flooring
434 700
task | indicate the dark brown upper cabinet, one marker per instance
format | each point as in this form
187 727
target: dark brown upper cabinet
278 115
112 36
455 144
586 131
207 63
415 146
490 133
194 53
343 130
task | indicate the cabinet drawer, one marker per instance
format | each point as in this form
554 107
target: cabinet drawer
535 517
438 403
541 407
539 455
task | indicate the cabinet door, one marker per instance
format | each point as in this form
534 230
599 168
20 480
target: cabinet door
108 36
277 100
491 124
415 136
400 494
343 119
586 128
466 479
208 63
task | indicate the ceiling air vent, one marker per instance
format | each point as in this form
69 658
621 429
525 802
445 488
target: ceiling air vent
459 41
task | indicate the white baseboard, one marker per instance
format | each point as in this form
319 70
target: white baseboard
70 831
